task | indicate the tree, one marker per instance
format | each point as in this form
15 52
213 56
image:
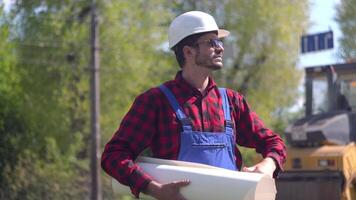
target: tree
11 121
51 50
347 22
51 63
132 58
267 37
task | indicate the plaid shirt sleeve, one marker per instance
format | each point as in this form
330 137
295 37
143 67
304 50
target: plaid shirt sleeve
132 137
251 132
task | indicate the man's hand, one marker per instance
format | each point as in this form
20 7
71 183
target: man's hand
169 191
266 166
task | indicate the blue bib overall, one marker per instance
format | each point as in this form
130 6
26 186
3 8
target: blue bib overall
211 148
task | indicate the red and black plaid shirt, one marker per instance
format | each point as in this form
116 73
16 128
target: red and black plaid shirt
151 122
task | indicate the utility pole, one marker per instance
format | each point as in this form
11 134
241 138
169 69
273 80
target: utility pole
95 192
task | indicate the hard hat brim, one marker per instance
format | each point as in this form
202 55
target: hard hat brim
223 33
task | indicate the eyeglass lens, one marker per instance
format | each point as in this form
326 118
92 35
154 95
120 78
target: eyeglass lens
216 43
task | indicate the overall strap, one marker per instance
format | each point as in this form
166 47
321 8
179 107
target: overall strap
177 108
226 108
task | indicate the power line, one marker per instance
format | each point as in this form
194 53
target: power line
50 44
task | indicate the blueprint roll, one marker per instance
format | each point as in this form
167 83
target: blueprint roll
206 182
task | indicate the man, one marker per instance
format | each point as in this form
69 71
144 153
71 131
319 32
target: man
190 118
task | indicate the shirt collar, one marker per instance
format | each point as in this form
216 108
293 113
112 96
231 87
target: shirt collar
189 89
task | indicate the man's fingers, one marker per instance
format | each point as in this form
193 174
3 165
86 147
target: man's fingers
177 185
249 169
182 183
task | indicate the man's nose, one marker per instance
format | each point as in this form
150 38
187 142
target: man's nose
219 49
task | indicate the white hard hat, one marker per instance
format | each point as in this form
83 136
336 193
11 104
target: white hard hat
190 23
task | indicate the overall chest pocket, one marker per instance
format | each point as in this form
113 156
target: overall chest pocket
209 145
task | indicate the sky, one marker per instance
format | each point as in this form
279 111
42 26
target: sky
322 16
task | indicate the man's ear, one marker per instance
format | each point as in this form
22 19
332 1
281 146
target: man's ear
189 52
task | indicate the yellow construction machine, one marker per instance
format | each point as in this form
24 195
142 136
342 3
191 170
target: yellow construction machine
321 162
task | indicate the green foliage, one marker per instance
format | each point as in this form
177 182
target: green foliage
50 178
347 22
12 123
266 37
131 59
54 89
45 111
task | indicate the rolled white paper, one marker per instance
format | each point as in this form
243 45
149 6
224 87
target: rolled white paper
207 182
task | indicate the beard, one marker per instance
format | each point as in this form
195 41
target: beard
208 62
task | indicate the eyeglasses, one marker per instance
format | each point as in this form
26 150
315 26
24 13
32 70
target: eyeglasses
215 43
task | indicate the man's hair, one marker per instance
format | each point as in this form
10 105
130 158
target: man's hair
188 41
